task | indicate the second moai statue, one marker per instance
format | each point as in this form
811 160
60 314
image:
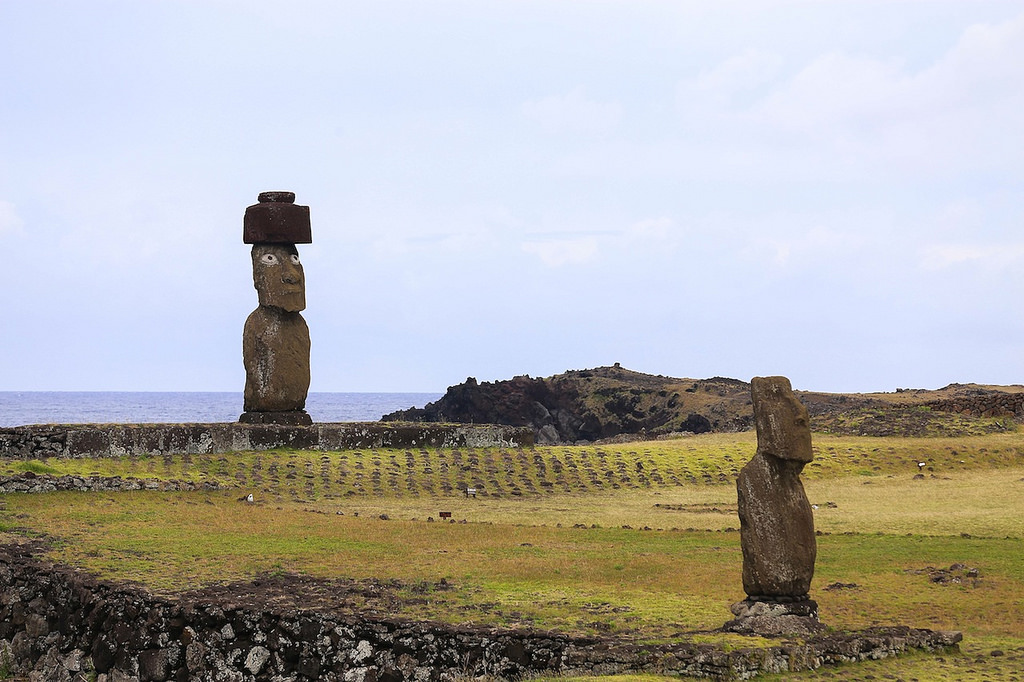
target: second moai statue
275 341
776 521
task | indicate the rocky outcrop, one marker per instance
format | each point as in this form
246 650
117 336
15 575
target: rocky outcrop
58 625
594 404
616 403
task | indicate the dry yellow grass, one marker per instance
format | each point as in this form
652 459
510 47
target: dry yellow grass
982 503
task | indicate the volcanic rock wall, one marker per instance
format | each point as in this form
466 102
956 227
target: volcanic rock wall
30 482
119 440
991 405
57 625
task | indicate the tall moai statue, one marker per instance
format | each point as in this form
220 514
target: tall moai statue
275 341
776 520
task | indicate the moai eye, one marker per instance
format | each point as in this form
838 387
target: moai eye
295 258
269 259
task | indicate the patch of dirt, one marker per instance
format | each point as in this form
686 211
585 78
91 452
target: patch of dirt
701 508
838 587
340 596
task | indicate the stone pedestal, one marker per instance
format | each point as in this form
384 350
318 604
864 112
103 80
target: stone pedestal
286 418
775 618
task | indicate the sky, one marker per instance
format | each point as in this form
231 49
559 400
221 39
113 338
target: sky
828 190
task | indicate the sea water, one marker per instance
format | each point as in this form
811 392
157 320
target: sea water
18 408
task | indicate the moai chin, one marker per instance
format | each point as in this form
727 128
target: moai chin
776 520
275 340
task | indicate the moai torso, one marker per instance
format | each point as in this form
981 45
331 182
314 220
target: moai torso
275 351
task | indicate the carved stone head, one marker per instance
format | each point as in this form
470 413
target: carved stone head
783 428
278 277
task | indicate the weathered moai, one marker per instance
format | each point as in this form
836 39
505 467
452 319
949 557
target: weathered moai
275 341
776 520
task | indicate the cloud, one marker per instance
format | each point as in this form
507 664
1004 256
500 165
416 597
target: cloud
573 112
846 114
985 59
838 90
650 230
948 107
742 74
634 243
559 252
937 257
10 223
798 242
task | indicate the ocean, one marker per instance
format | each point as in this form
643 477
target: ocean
18 408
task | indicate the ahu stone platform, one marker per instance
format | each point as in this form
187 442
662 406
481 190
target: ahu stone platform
119 440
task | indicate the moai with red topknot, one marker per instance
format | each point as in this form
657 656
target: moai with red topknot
275 340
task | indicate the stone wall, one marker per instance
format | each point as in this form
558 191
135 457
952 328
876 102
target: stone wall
29 482
118 440
57 625
992 405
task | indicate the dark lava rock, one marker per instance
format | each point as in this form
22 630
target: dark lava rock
594 404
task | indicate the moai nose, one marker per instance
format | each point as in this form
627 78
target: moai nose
290 273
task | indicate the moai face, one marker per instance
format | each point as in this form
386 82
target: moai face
783 427
278 277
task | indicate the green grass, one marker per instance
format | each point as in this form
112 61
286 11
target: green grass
536 575
710 459
34 466
636 539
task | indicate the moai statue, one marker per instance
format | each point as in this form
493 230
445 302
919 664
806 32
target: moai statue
776 521
275 341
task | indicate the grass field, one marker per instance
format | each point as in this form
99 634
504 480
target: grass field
635 539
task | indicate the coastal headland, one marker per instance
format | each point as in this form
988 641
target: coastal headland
591 405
